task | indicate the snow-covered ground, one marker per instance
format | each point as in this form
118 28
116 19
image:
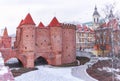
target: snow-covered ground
5 73
48 73
12 60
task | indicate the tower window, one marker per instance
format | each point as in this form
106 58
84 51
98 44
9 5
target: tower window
44 40
26 35
25 47
97 20
94 19
32 35
41 43
66 47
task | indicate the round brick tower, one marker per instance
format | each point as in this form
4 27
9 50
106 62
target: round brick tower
6 40
18 33
28 40
56 40
69 43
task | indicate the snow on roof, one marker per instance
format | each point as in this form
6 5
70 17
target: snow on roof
84 28
114 23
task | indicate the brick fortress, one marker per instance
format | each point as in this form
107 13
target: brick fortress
56 43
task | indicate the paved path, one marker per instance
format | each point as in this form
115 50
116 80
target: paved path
5 73
81 73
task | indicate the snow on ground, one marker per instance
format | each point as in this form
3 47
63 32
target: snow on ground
48 73
12 61
5 73
3 70
105 58
117 77
108 69
81 73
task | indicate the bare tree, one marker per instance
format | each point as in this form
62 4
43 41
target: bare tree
107 7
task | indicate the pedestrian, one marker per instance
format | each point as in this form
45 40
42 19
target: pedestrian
80 48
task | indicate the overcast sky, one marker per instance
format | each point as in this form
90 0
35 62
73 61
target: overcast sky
12 11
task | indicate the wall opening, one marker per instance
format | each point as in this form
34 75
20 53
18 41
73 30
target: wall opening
40 61
13 63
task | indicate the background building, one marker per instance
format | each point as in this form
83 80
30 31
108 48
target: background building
85 37
107 37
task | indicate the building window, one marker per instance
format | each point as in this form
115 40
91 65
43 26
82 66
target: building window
94 19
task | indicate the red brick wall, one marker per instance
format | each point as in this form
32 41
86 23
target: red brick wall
69 45
42 40
28 38
56 42
6 41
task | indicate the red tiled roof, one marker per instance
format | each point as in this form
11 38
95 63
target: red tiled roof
113 22
54 22
20 24
41 25
28 20
5 34
104 25
84 28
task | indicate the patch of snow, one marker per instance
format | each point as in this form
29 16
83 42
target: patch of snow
46 73
104 58
12 61
1 61
3 70
108 69
81 73
117 76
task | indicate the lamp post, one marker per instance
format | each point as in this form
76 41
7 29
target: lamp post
112 48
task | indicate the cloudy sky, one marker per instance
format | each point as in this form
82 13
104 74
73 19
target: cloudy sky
12 11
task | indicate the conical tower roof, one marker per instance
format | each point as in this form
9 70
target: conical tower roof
28 20
5 33
41 25
96 12
20 23
54 22
111 14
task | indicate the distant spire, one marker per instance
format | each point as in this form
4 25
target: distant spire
41 25
28 20
54 22
95 8
111 14
96 12
5 33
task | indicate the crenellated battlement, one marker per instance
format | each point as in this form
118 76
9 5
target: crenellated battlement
69 26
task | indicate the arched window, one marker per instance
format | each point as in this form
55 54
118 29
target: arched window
97 20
